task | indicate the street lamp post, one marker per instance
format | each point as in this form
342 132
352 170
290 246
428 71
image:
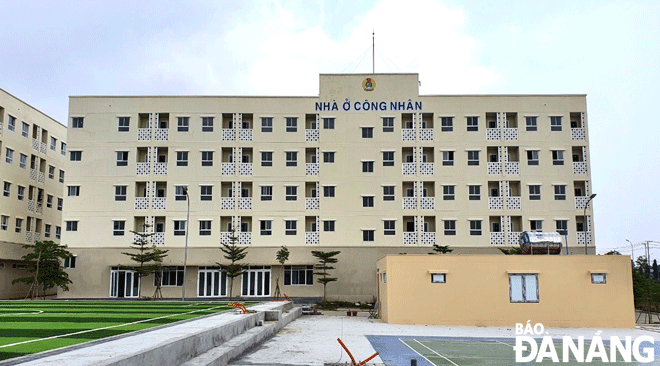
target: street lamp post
632 250
585 221
185 250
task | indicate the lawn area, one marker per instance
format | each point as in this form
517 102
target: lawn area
34 326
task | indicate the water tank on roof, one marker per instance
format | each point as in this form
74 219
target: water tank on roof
540 243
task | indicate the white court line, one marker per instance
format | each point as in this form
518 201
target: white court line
506 344
452 362
429 361
9 314
108 327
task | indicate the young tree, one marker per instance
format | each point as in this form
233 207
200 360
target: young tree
442 249
325 259
234 255
148 256
512 251
282 256
45 271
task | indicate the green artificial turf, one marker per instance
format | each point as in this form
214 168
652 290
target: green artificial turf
34 320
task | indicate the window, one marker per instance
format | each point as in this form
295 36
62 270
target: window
473 157
555 123
26 128
328 191
367 201
560 193
534 192
290 227
450 227
181 158
22 162
562 226
266 193
474 193
120 193
51 172
536 225
438 278
328 123
448 193
328 156
207 124
532 157
179 227
59 204
61 176
448 158
122 158
47 230
291 124
367 167
53 143
75 155
389 227
329 225
77 122
206 193
117 228
63 148
204 227
446 124
19 225
557 157
7 189
207 158
73 191
182 124
291 158
388 193
9 156
298 275
388 124
4 222
367 132
124 124
49 201
169 276
599 278
266 158
266 227
11 123
388 158
531 123
21 193
475 227
291 193
367 235
180 193
69 262
58 232
266 124
472 124
524 287
71 225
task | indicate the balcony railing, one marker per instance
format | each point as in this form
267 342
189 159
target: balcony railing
408 169
409 237
158 238
426 134
144 134
578 134
579 167
40 207
495 203
494 168
161 134
42 147
143 168
584 237
33 174
408 134
244 203
409 203
427 203
228 169
312 237
244 238
141 203
512 167
35 144
311 135
497 238
245 169
312 203
158 203
514 237
311 168
492 134
581 202
513 203
511 134
160 168
245 134
426 168
30 205
428 237
228 134
42 177
28 237
227 203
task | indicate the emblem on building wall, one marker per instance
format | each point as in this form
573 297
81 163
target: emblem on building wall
368 84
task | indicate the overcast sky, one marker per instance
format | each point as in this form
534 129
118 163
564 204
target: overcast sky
609 50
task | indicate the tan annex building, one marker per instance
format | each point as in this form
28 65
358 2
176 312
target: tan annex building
487 290
368 167
32 157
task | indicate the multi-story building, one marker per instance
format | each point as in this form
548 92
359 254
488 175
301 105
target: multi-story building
369 167
32 156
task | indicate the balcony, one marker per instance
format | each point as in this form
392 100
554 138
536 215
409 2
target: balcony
312 169
228 169
311 135
158 203
511 134
581 202
42 147
584 237
245 169
514 237
158 238
160 168
579 167
408 134
33 174
245 203
245 134
228 134
495 203
37 237
426 134
497 238
494 168
426 168
143 169
409 237
408 169
512 168
28 237
578 134
35 144
409 203
513 203
312 237
244 238
40 207
161 134
144 134
312 203
428 237
31 205
492 134
227 203
42 177
427 203
141 203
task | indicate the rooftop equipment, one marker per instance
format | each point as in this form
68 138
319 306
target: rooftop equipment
540 243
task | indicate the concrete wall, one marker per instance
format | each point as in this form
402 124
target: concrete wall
477 290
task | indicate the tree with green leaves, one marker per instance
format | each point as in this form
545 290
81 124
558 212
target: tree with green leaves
233 254
148 256
442 249
45 268
511 251
282 256
325 260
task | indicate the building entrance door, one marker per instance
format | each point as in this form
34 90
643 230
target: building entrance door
124 283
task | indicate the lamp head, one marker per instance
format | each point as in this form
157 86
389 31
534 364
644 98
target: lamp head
592 196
